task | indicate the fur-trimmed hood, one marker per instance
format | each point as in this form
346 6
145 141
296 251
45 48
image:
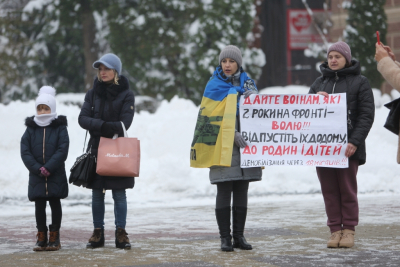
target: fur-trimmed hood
61 120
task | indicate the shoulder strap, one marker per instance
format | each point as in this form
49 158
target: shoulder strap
91 115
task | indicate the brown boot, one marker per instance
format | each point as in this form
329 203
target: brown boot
97 239
347 240
41 242
121 239
333 241
54 238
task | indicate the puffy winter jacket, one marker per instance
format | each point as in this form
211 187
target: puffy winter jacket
360 102
112 103
50 154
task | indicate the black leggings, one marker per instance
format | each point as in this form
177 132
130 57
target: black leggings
40 213
225 190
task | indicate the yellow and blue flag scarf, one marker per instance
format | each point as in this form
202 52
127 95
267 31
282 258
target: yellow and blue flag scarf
215 129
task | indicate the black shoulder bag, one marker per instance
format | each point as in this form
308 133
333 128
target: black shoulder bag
84 169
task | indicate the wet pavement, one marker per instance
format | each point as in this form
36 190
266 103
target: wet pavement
284 231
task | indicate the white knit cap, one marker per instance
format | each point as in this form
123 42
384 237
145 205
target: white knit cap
47 97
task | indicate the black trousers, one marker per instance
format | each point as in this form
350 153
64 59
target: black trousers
40 213
237 189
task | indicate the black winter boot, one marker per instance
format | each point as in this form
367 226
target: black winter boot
121 239
54 239
224 224
97 239
41 242
239 220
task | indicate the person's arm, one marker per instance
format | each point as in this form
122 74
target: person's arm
366 114
85 119
390 52
60 156
387 65
27 157
382 51
126 115
128 110
315 87
390 71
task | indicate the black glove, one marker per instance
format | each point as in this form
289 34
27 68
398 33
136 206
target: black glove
107 130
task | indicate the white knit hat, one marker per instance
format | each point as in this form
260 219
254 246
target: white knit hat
47 97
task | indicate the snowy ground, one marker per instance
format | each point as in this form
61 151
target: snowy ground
166 178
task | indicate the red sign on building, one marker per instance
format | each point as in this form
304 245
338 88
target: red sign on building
301 30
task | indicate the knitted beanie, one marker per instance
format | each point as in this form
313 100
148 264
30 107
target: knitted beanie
342 48
111 61
232 52
47 97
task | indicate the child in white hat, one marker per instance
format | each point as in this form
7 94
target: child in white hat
44 149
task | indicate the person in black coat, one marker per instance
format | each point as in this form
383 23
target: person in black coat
44 149
112 102
341 74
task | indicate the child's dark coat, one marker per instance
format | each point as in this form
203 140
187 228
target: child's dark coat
51 155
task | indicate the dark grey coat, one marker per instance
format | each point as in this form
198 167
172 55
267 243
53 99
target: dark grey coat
360 102
235 172
51 154
112 103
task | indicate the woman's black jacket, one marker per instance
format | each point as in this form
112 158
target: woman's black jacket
112 103
360 102
50 154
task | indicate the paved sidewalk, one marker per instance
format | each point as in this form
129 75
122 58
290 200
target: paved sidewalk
290 231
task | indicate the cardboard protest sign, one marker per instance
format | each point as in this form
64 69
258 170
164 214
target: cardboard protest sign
304 130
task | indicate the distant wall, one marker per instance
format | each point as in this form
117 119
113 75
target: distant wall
283 66
392 8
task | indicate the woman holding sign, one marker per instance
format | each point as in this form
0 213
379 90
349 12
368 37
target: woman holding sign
341 74
216 144
112 102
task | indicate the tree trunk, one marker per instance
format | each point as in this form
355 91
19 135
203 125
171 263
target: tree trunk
273 44
90 47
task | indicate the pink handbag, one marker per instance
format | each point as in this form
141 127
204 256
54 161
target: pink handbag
119 156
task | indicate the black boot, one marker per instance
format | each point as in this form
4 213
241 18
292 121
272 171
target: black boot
41 242
224 224
97 239
54 239
121 239
239 220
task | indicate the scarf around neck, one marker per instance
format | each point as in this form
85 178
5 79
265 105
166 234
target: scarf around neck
45 119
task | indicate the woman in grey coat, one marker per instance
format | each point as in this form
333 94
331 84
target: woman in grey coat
233 180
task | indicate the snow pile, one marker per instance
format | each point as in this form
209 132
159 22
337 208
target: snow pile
166 136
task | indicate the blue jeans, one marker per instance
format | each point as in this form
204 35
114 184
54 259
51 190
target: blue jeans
120 208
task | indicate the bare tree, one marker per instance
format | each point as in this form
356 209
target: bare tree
90 47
